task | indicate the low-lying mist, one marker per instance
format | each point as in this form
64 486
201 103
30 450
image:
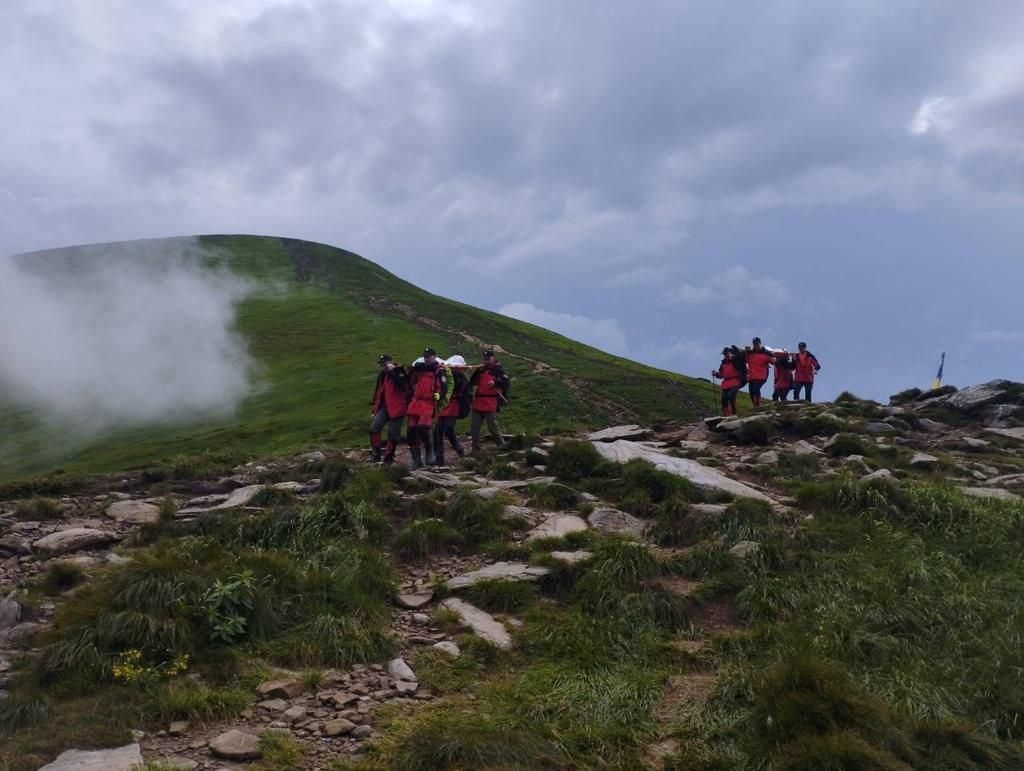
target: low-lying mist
107 336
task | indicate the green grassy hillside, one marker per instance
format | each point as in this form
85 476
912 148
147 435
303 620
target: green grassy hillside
316 333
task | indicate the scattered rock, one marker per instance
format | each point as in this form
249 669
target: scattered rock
71 539
744 549
124 758
703 476
482 623
338 727
768 457
858 463
882 475
20 635
557 526
273 705
447 646
609 520
973 397
571 557
294 714
877 427
236 745
285 688
243 496
436 478
923 460
10 612
362 732
521 512
133 512
177 728
976 444
398 669
1012 433
503 571
415 600
618 432
803 447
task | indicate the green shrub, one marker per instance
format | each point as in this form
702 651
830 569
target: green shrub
273 496
333 640
552 497
20 710
38 508
61 576
501 469
334 476
424 537
186 699
499 596
572 460
643 487
476 520
280 751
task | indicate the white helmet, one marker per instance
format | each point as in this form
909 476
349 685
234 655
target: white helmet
456 361
420 360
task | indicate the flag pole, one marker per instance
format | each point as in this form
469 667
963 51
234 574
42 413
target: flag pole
937 383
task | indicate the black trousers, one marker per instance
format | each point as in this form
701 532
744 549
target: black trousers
755 387
780 394
729 397
446 430
807 389
382 419
476 423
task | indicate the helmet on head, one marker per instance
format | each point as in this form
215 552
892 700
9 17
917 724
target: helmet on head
456 361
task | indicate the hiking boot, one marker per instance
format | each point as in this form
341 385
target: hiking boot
417 458
375 455
389 459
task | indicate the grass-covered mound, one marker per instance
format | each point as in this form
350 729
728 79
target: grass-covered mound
316 332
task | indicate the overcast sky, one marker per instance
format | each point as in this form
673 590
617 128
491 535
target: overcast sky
654 178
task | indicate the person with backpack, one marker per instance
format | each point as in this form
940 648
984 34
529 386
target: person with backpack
491 387
431 389
784 365
390 398
730 373
805 366
458 407
758 360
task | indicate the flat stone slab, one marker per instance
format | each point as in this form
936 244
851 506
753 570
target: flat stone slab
571 557
803 447
994 493
71 539
709 509
704 477
414 600
523 513
499 571
123 758
236 745
483 624
557 526
923 460
1012 433
241 497
133 512
618 432
609 520
398 669
882 475
434 478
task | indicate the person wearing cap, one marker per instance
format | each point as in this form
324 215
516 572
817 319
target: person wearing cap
805 366
431 390
758 359
390 397
731 376
489 382
455 409
783 375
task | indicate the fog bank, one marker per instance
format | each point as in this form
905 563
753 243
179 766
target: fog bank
110 335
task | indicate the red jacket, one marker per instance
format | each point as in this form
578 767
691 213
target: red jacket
452 409
783 372
487 392
757 364
806 366
392 392
426 383
729 373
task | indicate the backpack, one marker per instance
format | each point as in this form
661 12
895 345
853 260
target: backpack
462 393
739 359
444 373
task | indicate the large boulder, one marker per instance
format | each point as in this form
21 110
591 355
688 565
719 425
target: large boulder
974 397
557 526
995 493
618 432
609 520
704 477
124 758
1010 433
71 539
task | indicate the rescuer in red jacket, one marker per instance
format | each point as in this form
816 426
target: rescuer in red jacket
490 382
731 375
429 387
758 360
805 365
390 396
783 376
458 407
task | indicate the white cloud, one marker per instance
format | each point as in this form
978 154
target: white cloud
605 334
735 288
934 113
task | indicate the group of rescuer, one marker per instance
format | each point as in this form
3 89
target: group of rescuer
430 397
793 372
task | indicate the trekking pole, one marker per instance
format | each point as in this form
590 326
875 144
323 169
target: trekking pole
714 394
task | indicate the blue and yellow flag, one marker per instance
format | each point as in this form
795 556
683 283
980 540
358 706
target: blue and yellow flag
938 375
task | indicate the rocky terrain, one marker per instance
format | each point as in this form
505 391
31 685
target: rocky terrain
683 533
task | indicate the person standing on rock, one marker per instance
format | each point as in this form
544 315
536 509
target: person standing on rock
731 376
783 376
758 360
805 366
429 388
390 398
490 382
458 407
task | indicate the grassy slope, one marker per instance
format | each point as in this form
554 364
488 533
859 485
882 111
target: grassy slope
316 337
